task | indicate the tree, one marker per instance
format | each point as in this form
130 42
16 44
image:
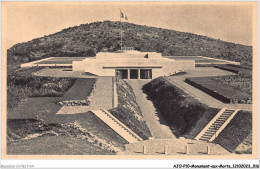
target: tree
90 52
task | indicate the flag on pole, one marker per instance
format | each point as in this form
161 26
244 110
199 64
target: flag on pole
126 17
122 15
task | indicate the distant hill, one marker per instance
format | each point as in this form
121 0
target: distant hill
88 39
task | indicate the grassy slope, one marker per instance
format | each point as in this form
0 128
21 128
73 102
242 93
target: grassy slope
128 111
88 39
54 145
80 90
246 146
25 135
236 132
203 120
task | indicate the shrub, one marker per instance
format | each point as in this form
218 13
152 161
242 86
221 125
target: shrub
90 52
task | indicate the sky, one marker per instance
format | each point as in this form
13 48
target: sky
229 22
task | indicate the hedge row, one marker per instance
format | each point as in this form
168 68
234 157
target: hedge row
234 69
74 103
227 68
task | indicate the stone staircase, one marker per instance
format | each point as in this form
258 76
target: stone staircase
117 126
216 125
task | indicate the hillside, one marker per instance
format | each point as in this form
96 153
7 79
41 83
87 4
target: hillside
88 39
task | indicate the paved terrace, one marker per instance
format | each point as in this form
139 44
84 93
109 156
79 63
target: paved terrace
61 72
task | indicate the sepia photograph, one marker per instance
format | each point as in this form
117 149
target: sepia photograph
129 80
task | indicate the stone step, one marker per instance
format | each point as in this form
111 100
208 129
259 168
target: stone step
204 139
223 118
213 128
219 121
208 134
226 115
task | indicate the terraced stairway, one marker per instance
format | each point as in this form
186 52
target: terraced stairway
216 125
117 126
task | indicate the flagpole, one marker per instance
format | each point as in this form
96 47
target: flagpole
121 28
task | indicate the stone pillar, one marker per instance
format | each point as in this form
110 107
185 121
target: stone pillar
144 149
128 74
165 149
208 149
114 89
187 149
138 73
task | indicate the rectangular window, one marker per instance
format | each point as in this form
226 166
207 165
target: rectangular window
122 73
133 73
145 73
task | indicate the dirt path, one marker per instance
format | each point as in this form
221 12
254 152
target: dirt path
155 121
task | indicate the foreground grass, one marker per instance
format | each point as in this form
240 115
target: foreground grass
55 145
24 136
128 111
